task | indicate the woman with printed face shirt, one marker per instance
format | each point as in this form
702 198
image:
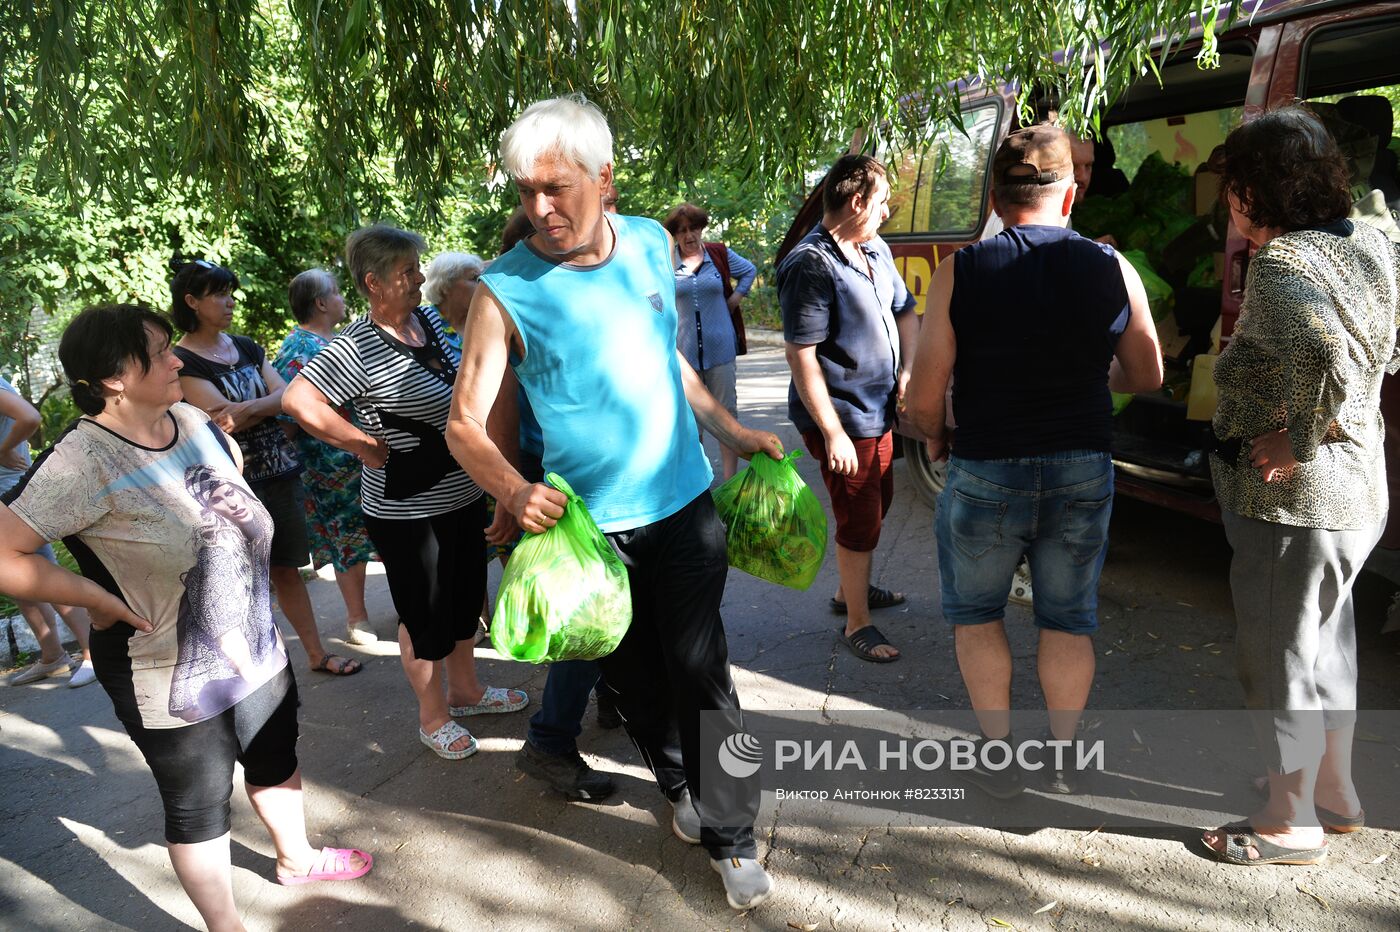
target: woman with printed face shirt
140 490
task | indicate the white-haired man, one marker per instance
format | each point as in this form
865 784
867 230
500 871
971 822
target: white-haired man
583 311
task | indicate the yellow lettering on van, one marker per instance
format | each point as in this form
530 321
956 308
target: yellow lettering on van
917 277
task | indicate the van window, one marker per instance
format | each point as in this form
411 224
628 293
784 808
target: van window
940 188
1185 140
1351 79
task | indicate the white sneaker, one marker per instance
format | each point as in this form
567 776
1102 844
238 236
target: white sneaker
83 674
746 883
39 670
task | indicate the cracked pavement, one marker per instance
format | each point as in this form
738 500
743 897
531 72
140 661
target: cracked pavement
473 843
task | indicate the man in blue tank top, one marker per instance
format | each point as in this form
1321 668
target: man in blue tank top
583 312
1033 327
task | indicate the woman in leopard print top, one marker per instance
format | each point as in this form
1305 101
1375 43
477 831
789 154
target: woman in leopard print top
1305 500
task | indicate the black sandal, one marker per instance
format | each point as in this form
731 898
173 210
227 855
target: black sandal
1338 824
864 641
876 598
349 666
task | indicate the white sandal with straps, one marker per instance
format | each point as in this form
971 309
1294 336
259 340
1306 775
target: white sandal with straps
494 700
442 740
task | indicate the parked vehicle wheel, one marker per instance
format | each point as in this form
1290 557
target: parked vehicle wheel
929 477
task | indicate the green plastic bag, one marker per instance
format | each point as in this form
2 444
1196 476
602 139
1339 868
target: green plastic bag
1160 297
776 528
564 593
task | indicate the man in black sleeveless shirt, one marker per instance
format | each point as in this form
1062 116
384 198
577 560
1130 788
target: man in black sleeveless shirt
1033 327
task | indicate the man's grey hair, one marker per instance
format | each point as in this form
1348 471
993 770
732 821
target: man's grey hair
376 248
1030 195
569 127
308 288
445 270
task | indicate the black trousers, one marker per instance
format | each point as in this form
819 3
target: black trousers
436 569
673 663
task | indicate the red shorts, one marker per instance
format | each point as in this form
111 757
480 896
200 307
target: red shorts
859 503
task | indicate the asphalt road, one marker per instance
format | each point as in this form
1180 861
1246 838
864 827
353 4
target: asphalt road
471 844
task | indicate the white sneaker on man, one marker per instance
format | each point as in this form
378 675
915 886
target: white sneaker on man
746 883
685 821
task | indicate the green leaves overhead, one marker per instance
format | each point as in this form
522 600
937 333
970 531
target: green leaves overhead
112 97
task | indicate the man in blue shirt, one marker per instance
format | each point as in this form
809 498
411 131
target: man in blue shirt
850 339
584 312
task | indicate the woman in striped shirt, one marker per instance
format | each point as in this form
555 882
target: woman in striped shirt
394 370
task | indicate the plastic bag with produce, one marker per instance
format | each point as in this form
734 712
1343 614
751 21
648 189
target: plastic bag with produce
776 528
564 594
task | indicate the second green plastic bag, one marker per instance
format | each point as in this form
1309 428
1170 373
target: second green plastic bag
776 528
564 593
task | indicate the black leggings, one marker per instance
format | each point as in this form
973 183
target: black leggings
193 765
436 568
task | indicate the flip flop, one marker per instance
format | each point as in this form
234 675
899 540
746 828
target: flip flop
865 640
349 666
1340 824
877 598
332 864
1240 838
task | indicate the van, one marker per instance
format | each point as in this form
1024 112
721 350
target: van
1339 56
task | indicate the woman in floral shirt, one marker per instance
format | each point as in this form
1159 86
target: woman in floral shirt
334 521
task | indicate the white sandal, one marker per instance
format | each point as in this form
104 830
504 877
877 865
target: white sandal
442 740
494 700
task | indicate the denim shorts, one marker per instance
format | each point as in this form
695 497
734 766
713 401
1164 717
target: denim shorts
1053 509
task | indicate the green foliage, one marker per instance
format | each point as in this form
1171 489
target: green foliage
341 98
258 133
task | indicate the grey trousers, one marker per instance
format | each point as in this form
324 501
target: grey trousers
1295 645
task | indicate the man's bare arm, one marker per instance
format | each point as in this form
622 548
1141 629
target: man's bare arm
811 388
485 357
908 329
715 418
1137 360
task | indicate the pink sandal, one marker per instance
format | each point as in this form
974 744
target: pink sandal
332 864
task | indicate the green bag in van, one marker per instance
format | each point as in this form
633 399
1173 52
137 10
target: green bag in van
564 594
775 526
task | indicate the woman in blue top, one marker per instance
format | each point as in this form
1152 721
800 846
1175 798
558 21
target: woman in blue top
711 329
